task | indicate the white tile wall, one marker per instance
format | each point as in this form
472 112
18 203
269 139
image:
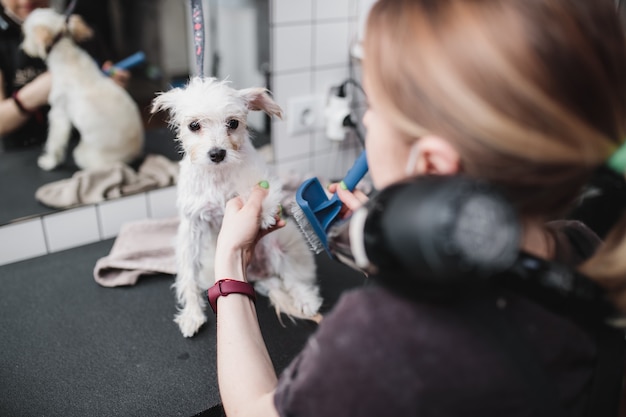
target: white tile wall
291 47
21 241
311 44
291 11
71 228
332 45
334 9
286 86
325 78
288 146
162 203
114 213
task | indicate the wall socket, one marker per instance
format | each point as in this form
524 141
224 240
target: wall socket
305 114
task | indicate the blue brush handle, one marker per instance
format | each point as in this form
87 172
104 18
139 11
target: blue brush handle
332 208
356 173
128 62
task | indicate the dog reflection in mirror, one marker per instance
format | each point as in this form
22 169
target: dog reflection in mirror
81 95
220 162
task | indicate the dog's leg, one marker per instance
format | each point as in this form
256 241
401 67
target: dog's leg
271 206
88 156
59 132
90 153
296 292
189 295
293 298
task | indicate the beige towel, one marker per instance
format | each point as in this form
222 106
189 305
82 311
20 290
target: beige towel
97 185
143 247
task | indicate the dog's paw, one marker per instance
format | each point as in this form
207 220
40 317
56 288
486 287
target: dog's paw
268 217
189 322
300 301
268 221
47 162
308 304
306 299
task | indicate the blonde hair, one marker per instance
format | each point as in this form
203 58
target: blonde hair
532 93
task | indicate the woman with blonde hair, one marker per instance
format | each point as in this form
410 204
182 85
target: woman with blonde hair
527 95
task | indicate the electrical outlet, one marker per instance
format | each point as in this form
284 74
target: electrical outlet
304 114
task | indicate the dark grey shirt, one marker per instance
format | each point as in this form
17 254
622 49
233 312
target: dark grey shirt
380 354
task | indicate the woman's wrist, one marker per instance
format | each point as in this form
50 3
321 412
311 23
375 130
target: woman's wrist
20 104
230 264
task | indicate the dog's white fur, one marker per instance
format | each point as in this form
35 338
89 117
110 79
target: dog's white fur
204 114
107 118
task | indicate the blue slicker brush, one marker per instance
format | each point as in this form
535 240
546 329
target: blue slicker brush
128 62
315 212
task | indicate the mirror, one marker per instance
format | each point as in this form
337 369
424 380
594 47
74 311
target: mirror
161 29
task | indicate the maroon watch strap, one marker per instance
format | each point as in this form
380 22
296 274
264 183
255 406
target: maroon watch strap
19 104
229 286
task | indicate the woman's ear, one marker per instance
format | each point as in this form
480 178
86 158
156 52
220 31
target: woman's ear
435 155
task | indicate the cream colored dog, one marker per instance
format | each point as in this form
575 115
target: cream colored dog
107 118
220 162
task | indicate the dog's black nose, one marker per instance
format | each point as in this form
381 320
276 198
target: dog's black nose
217 155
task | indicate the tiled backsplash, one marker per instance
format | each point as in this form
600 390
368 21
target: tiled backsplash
311 44
80 226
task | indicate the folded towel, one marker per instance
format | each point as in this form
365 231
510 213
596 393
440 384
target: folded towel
143 247
162 170
97 185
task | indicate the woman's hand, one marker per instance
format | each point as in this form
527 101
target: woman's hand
119 75
241 226
351 200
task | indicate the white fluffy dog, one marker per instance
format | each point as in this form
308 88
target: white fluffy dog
107 118
219 162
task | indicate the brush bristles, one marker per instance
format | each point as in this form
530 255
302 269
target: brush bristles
312 240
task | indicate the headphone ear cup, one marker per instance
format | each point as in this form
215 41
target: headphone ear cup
442 229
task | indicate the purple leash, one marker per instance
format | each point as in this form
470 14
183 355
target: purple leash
70 8
197 21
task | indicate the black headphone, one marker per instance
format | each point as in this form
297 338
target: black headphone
451 233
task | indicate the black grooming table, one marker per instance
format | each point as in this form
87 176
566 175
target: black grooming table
69 347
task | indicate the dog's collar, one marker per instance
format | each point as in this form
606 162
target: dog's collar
64 33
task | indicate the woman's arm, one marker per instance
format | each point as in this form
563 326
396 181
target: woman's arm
32 96
246 375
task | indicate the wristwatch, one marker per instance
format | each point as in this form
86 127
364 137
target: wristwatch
226 286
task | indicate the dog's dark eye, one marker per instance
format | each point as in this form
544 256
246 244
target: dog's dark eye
232 124
194 126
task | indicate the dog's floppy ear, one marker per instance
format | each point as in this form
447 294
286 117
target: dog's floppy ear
79 29
166 100
258 99
43 37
